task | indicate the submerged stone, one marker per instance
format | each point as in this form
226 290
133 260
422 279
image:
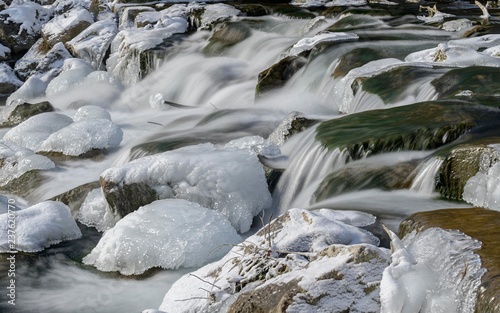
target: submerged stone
226 35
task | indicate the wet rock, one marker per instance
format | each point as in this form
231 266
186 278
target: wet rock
253 9
479 223
124 199
8 80
21 24
474 83
278 74
356 58
19 113
226 35
459 165
421 126
292 11
351 178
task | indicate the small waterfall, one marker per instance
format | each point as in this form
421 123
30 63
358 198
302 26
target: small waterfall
425 176
309 164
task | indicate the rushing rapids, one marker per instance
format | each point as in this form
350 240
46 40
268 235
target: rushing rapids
269 149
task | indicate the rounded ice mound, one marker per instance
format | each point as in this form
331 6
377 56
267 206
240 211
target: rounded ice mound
83 136
74 73
32 132
256 144
38 227
91 112
166 233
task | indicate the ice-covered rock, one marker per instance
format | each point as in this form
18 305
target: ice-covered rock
42 63
64 27
8 80
73 74
32 89
256 144
483 189
127 15
21 23
300 262
83 136
4 53
32 132
435 16
166 233
457 25
95 212
129 49
91 112
485 41
54 132
451 55
15 161
215 13
434 270
93 43
38 227
230 181
306 44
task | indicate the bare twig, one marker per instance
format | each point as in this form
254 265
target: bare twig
207 282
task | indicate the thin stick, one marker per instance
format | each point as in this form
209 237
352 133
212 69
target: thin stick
206 281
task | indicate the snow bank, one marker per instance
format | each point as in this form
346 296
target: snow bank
17 160
230 181
38 227
165 233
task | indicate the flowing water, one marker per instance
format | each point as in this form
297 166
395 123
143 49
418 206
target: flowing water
219 92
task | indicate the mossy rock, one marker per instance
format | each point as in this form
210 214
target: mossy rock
74 198
478 223
357 58
126 198
24 111
352 178
226 35
253 9
420 126
388 85
292 11
278 74
483 82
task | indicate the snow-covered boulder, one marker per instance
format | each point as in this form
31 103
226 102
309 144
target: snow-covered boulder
167 234
93 43
38 227
4 53
8 80
127 15
21 23
16 161
32 132
303 261
16 113
63 28
40 62
132 49
215 13
54 132
230 181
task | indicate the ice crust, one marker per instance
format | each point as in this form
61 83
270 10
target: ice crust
230 181
166 233
306 44
483 189
38 227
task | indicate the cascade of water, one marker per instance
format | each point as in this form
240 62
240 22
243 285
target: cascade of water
309 163
425 178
